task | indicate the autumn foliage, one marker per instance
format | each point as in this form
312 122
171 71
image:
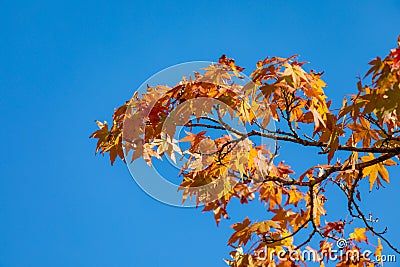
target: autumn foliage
359 138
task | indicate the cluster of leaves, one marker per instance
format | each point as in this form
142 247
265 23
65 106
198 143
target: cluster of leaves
365 130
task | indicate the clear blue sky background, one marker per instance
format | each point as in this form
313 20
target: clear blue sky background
65 63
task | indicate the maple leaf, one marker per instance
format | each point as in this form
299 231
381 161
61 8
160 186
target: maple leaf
362 132
229 62
333 226
167 145
373 171
359 235
101 135
283 169
242 233
294 196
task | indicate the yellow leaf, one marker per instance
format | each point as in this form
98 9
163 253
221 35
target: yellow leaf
374 170
378 251
359 235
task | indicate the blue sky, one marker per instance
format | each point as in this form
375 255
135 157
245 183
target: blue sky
65 63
